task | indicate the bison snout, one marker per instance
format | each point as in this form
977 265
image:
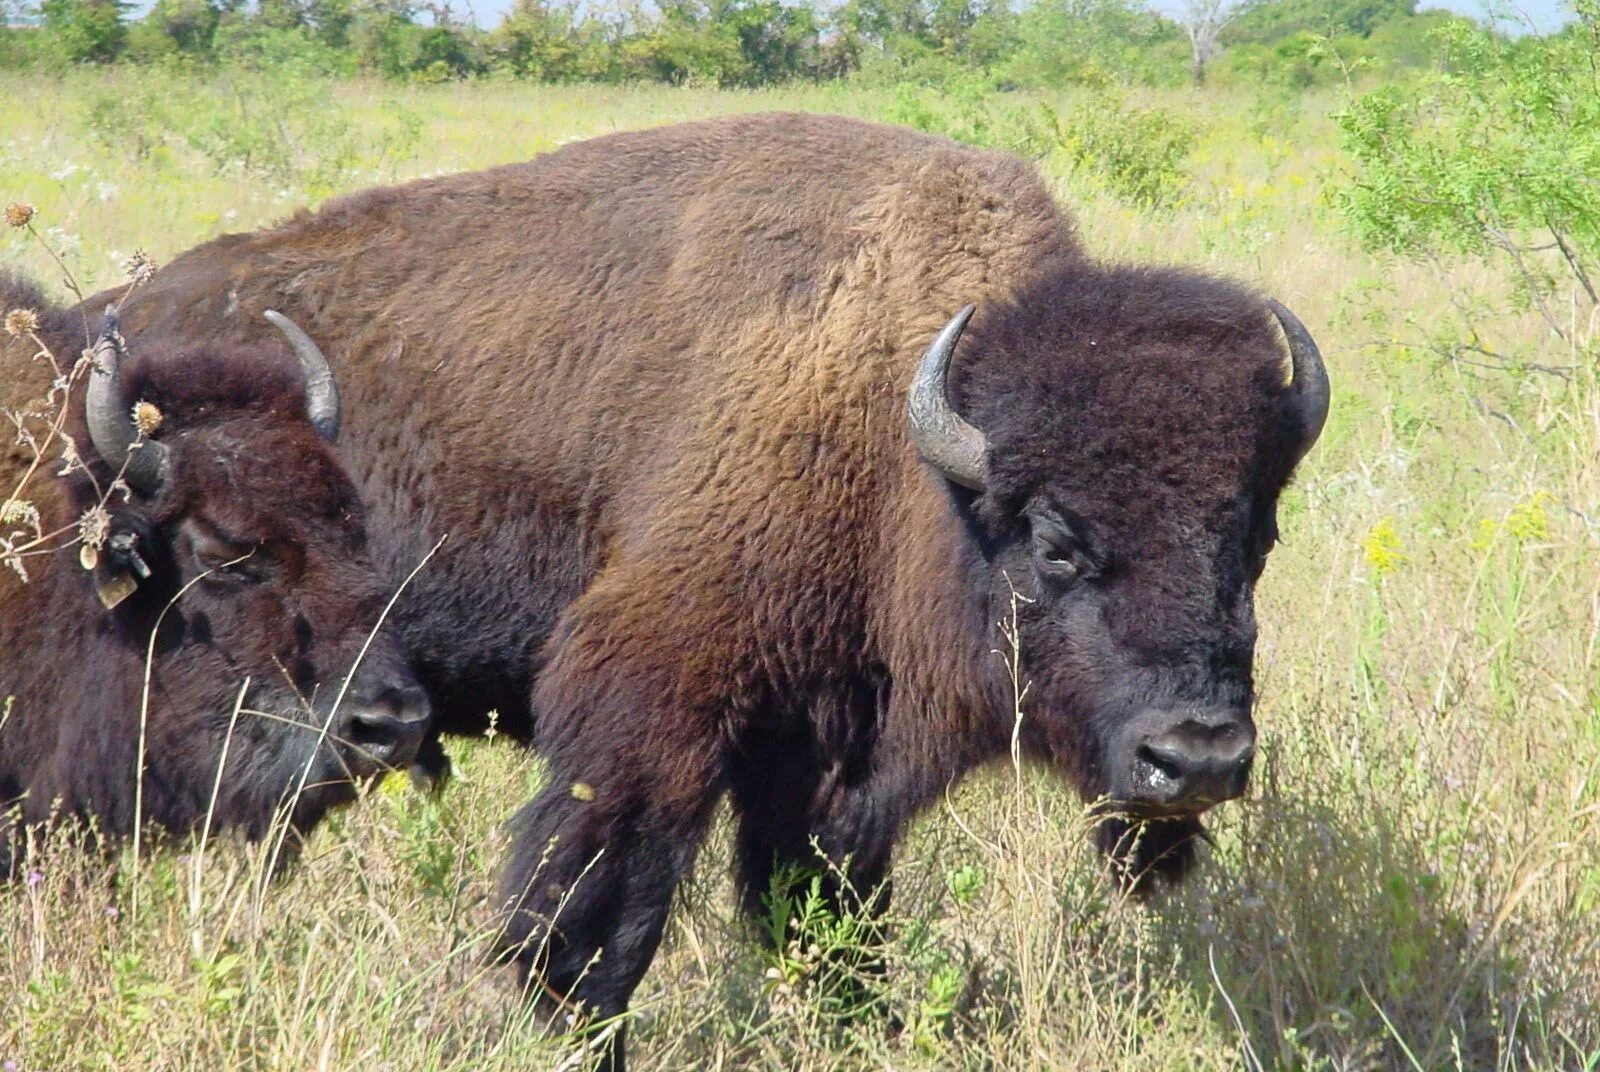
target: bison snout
384 732
1186 761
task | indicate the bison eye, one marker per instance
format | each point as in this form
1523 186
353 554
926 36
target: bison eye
1057 552
228 562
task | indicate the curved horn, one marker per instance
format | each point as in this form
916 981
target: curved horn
943 439
322 393
1308 391
110 418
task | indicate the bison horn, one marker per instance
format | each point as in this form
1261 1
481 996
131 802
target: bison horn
1309 388
943 439
322 393
110 417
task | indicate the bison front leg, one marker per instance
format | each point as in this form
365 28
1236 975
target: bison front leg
793 829
803 826
634 770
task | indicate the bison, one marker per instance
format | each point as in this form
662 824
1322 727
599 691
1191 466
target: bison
736 507
232 551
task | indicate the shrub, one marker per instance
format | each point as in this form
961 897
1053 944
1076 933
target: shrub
1137 152
1494 155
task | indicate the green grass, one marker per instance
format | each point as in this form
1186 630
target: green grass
1413 883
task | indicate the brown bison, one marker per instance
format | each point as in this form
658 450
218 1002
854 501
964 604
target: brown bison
722 521
236 554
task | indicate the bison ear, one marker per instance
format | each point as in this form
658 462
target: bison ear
943 439
123 568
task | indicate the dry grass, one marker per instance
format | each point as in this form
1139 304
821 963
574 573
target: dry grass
1414 883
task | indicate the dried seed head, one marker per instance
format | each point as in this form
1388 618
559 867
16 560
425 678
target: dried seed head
20 322
140 267
147 418
18 214
94 526
582 791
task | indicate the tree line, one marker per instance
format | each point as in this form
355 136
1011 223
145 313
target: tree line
744 42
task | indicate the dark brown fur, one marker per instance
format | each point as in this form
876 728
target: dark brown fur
652 386
247 466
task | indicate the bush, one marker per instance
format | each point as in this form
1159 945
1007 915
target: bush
1138 153
967 109
1494 155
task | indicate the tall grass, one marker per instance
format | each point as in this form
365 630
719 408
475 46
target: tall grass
1414 881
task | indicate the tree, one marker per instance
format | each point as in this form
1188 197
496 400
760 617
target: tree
1266 23
84 31
1493 154
1204 21
182 27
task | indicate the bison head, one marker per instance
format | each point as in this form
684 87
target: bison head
240 548
1127 435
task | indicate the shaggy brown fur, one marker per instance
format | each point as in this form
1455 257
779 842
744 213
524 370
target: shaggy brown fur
653 387
249 475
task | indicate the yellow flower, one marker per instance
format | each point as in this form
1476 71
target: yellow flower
1488 529
1381 547
1528 522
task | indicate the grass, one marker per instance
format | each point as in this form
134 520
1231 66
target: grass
1414 881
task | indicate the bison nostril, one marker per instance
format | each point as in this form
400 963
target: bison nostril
387 730
373 728
1163 759
1189 760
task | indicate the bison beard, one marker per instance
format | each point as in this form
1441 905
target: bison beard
654 387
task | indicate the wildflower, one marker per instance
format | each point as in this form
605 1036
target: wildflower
34 878
1488 529
10 1066
140 267
19 214
1381 547
147 418
1528 521
20 322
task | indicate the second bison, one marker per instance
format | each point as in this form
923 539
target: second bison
207 657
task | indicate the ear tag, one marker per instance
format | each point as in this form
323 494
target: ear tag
115 589
88 556
125 545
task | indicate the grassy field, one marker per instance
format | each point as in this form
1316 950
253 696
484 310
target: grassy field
1414 881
